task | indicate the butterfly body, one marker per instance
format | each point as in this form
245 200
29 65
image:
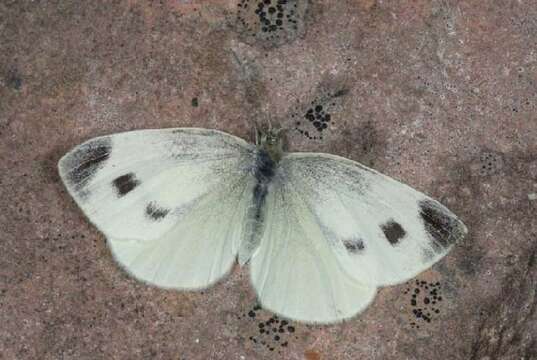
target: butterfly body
268 153
264 169
319 232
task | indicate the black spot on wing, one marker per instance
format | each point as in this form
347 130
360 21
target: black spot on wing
354 246
125 184
444 228
393 231
84 162
155 212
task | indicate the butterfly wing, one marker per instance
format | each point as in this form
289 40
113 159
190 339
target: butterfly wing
171 202
294 271
334 224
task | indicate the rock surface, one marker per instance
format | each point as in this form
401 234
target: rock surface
439 94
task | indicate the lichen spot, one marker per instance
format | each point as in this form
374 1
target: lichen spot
393 231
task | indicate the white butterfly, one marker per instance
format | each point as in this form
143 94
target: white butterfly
320 232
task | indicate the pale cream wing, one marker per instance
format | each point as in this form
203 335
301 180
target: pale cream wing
171 202
295 272
380 230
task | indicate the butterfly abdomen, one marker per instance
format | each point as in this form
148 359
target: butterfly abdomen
264 169
255 215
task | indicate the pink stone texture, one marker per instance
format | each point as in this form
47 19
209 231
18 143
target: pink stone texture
439 94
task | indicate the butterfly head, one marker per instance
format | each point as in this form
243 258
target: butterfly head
271 140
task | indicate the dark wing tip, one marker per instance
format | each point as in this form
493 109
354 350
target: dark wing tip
443 227
82 163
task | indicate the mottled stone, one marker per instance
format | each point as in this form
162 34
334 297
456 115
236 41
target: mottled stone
439 94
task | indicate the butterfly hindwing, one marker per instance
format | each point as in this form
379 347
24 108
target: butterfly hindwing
171 202
294 271
199 249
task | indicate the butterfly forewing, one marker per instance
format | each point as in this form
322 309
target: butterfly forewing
381 231
171 202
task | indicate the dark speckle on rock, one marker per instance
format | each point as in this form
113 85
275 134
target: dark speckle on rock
314 120
421 309
270 331
13 79
489 163
271 23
